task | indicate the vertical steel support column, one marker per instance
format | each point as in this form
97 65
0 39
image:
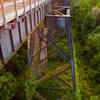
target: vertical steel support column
68 20
71 51
43 11
11 37
45 50
34 17
1 56
37 15
46 53
29 49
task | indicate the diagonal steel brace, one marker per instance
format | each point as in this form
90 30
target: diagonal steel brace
50 54
53 44
54 74
47 45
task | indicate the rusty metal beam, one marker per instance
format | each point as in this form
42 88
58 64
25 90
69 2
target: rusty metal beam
41 67
39 96
51 88
71 51
47 56
50 55
62 7
54 45
57 12
61 81
48 44
54 73
59 16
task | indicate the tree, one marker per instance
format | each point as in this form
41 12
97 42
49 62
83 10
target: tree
88 24
76 16
8 85
88 46
97 30
18 62
84 8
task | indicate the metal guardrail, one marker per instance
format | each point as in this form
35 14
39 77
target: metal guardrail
16 26
15 8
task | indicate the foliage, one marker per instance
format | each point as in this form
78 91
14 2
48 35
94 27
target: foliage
89 24
93 47
96 30
76 15
94 98
97 3
93 41
86 36
18 62
17 67
8 85
51 94
84 8
98 19
31 84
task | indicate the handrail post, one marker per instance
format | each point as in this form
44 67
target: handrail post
24 6
15 5
3 14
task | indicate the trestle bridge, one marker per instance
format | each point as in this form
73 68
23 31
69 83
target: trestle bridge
34 21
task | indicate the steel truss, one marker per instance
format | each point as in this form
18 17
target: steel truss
58 13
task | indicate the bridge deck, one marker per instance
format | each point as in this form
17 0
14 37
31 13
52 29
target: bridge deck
16 32
10 12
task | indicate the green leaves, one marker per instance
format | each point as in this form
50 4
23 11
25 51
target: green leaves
94 98
8 86
18 62
88 24
31 84
93 41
